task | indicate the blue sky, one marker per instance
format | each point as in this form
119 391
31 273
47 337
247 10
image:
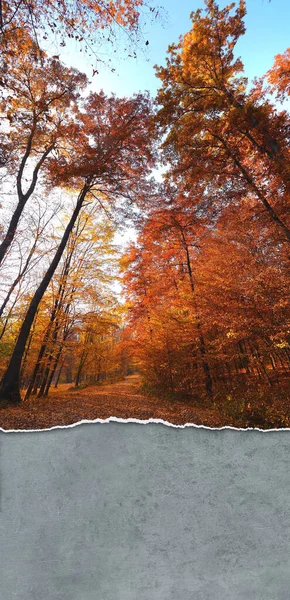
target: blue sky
268 33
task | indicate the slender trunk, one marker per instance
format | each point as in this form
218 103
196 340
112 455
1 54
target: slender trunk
229 371
38 369
50 368
259 363
202 346
7 318
17 279
286 352
31 387
99 369
271 212
80 368
1 17
252 185
270 146
26 353
171 379
3 249
10 385
22 197
59 374
243 359
281 359
49 359
46 378
52 372
45 375
236 366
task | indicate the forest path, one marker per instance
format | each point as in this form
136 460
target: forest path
124 399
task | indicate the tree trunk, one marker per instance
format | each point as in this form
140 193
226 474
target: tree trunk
59 374
52 372
38 369
80 368
202 346
270 146
33 381
251 183
10 385
11 230
52 359
22 197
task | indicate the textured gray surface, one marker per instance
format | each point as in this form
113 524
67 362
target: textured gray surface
134 512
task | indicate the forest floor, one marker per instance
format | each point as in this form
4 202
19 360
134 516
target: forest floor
67 405
124 399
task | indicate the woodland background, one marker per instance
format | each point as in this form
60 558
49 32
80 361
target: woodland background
203 316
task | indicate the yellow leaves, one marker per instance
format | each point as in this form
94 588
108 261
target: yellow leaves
231 334
283 344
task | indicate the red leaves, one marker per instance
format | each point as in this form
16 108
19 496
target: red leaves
110 146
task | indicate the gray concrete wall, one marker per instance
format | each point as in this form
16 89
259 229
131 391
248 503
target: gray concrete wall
134 512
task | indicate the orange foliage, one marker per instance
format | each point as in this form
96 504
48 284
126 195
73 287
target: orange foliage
207 280
279 75
215 130
78 19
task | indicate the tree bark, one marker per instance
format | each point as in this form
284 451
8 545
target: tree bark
202 346
52 372
252 185
80 368
22 197
59 374
10 385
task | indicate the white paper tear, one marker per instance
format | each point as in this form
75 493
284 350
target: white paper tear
143 422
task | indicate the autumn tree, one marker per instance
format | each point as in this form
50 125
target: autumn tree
80 286
111 160
234 140
97 348
29 249
164 297
39 113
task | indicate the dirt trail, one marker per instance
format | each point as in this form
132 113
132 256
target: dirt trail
123 399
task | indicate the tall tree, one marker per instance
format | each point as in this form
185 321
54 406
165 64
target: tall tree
79 287
217 131
111 160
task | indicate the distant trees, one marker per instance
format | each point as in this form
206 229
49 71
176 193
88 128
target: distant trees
209 306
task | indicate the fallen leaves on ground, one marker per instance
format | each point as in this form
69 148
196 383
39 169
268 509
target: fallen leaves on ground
124 399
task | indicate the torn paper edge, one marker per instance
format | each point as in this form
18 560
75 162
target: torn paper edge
143 422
